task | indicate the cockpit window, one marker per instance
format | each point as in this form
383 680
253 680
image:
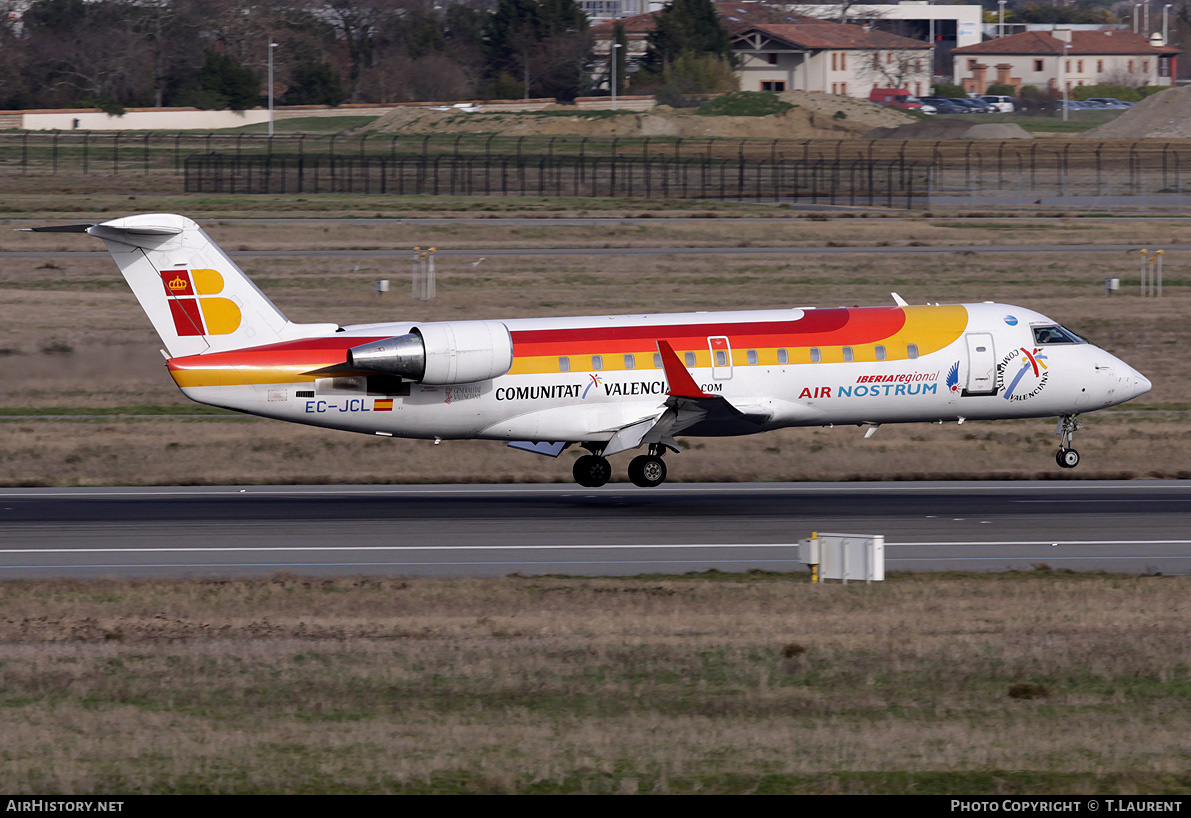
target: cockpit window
1055 334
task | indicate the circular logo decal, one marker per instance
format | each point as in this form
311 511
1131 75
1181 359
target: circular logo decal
1022 374
1011 320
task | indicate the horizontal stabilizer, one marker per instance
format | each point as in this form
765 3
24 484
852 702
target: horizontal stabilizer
196 297
58 228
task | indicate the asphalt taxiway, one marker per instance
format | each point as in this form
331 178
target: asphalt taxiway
1114 526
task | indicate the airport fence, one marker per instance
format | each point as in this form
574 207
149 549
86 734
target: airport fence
897 172
853 181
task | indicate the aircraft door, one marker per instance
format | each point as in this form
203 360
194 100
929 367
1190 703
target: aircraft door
982 364
721 357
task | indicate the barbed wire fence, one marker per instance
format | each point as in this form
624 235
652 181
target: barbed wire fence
892 173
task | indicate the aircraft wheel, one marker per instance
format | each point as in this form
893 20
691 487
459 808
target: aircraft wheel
1067 458
647 471
592 471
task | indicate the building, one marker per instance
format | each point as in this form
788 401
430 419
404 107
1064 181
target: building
946 26
1048 60
830 58
782 50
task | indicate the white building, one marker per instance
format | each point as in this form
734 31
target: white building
1048 60
830 58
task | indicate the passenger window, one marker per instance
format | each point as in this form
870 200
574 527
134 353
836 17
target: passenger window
752 356
783 357
564 364
690 358
880 350
721 358
657 360
630 362
847 353
597 362
815 355
911 350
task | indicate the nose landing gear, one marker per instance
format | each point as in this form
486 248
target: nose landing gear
1067 457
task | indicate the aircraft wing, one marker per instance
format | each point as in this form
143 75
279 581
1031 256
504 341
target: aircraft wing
686 405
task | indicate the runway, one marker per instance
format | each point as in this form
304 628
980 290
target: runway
452 531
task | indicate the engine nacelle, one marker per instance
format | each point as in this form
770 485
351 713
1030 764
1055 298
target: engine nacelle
440 353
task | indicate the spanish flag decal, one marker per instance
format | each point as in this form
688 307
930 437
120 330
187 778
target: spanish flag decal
382 405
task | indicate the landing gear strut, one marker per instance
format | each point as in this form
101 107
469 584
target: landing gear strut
1067 457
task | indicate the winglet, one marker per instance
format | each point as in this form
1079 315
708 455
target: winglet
682 385
897 299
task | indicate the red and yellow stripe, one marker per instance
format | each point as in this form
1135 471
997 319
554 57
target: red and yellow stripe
863 329
537 351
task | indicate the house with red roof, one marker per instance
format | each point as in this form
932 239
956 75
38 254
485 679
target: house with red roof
1048 60
785 51
830 58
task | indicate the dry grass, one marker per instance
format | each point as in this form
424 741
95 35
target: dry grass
710 684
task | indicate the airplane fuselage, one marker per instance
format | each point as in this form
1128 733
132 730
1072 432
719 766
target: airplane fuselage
579 379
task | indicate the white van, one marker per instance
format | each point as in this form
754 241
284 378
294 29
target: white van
1002 105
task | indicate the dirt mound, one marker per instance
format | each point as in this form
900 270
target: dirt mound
1166 115
952 129
816 116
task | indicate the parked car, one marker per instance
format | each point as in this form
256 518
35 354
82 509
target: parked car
1001 104
896 98
978 106
943 105
1110 102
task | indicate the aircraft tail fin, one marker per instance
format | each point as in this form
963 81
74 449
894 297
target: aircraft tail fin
196 297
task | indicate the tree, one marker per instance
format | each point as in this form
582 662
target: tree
315 84
543 43
695 73
686 27
224 83
896 68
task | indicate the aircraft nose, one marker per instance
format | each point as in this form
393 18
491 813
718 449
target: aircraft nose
1141 384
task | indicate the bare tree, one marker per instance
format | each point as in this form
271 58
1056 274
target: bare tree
896 68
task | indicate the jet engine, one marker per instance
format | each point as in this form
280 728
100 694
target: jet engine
440 353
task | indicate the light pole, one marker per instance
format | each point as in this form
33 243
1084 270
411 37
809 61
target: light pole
1136 6
272 45
1147 19
1001 4
1166 24
615 55
1063 77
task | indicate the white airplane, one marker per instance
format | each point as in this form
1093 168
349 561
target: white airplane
608 383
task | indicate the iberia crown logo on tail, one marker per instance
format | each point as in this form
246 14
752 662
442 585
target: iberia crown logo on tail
193 305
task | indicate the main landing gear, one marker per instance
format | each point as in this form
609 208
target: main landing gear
646 470
1067 457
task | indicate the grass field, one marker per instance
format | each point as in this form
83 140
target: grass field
1037 682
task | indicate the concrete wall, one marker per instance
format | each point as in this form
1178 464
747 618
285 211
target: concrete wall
184 119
